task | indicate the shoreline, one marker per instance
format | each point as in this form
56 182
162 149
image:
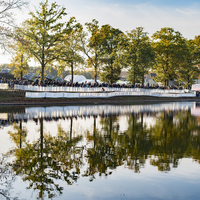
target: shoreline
22 101
12 98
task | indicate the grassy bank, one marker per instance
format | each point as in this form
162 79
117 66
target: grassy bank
10 95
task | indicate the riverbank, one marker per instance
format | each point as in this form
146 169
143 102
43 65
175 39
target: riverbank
13 98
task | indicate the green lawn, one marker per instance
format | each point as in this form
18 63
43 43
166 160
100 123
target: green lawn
9 95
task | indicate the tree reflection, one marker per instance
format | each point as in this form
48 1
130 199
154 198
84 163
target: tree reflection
103 155
173 135
172 138
19 134
48 159
6 175
137 142
195 146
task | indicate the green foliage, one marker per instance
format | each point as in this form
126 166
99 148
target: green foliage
46 160
87 74
169 48
111 73
173 138
137 54
173 135
92 47
197 49
188 72
19 134
19 63
43 33
53 42
165 142
111 68
70 47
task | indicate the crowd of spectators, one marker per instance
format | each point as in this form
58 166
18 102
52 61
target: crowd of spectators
56 83
11 82
86 84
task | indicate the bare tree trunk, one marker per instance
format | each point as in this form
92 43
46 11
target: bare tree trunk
20 127
71 125
94 131
95 69
22 60
72 72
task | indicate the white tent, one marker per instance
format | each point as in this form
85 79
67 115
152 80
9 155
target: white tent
92 81
77 78
122 82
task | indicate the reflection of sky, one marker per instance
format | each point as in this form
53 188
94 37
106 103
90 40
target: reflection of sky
5 143
182 183
149 184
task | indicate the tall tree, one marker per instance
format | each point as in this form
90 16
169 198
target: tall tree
71 47
92 47
7 19
19 62
197 49
137 54
43 32
188 72
111 39
168 45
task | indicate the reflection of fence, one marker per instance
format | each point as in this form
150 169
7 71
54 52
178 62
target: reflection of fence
103 95
103 110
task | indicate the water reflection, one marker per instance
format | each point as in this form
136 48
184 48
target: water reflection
171 134
58 112
46 160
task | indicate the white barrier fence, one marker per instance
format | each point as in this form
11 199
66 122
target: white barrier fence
101 95
3 86
79 92
95 89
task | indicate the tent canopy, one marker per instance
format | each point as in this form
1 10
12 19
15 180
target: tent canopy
80 79
77 78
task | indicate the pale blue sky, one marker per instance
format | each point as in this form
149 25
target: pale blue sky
182 15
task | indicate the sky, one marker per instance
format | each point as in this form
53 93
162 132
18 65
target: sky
181 15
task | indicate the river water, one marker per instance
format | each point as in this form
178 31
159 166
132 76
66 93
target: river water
101 152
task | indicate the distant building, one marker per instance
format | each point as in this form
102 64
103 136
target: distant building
149 79
123 76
